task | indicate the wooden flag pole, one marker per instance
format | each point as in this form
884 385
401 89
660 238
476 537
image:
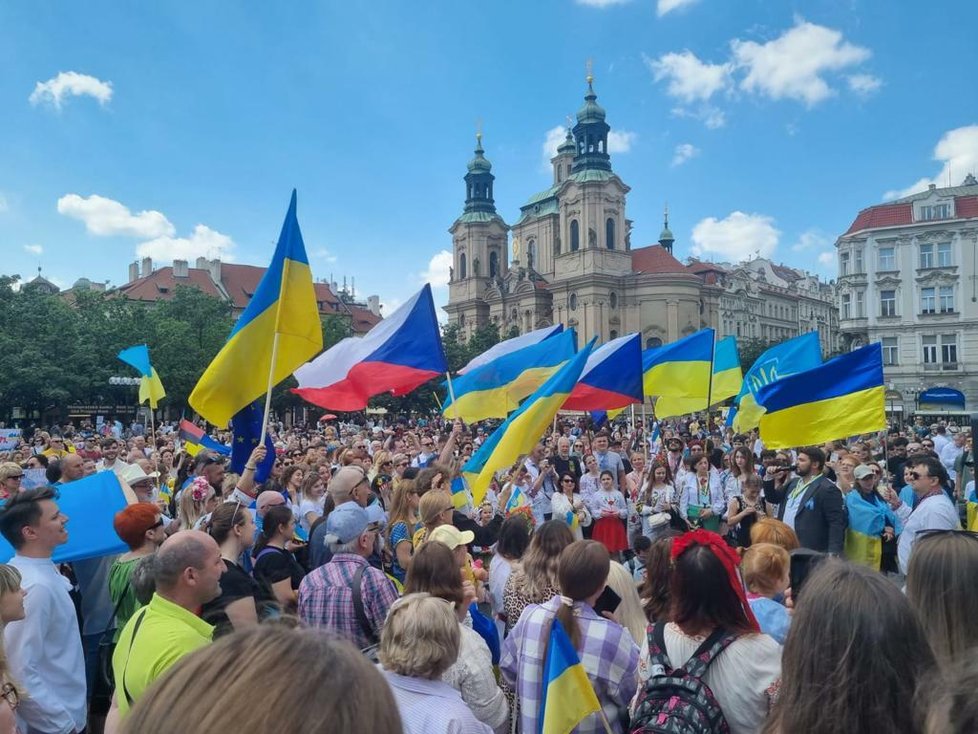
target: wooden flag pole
268 394
451 391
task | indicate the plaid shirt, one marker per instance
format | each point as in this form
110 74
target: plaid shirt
609 655
326 598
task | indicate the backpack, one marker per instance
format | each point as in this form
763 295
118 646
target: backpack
677 700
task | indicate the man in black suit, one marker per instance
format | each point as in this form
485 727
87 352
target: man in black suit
810 504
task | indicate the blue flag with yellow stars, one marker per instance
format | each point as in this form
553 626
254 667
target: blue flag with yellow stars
246 427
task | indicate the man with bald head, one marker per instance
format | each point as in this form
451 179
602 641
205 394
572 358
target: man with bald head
188 570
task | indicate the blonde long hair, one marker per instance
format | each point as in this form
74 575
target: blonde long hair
630 614
10 579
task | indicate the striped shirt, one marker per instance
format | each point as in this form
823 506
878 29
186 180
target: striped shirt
430 706
609 656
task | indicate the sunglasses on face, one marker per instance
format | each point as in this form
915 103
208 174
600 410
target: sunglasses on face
567 481
918 475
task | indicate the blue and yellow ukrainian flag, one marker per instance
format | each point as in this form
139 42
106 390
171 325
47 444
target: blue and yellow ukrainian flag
568 696
864 544
787 358
460 498
283 309
517 499
680 369
571 518
727 379
150 387
495 389
843 397
524 428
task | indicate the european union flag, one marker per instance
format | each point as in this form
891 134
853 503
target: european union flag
246 427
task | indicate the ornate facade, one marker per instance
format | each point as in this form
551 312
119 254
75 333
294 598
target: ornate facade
908 278
570 259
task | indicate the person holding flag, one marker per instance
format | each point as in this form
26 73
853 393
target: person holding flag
572 668
568 505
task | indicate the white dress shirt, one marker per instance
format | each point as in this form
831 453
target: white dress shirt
45 652
429 706
936 512
949 454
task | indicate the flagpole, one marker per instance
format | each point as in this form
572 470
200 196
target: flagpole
645 443
152 427
451 391
268 394
604 720
709 389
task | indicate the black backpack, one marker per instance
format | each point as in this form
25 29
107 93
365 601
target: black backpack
677 700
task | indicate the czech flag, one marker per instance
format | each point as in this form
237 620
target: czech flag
727 380
398 354
843 397
612 377
524 428
495 389
568 696
281 320
680 369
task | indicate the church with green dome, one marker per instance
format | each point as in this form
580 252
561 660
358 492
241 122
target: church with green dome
568 257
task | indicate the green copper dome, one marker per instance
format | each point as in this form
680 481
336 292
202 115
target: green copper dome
568 145
591 111
479 164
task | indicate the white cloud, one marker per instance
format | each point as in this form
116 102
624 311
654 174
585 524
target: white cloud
34 249
667 6
712 117
809 240
620 141
864 84
736 237
390 305
203 241
321 253
689 79
957 150
438 270
601 3
107 217
826 258
554 137
684 151
794 64
70 83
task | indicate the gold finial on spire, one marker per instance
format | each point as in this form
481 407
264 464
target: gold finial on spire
590 70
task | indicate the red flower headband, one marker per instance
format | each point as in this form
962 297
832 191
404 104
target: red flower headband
727 556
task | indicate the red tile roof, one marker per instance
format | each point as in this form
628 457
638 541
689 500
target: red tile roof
966 207
785 273
363 320
161 284
699 267
885 215
656 259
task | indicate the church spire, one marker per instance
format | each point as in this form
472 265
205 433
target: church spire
591 132
665 237
478 181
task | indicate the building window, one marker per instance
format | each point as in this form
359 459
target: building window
461 266
613 334
846 306
493 264
887 258
949 351
531 253
575 236
860 309
945 298
944 254
843 263
573 302
928 300
614 300
935 211
926 256
653 342
930 349
890 351
888 303
476 267
857 260
609 233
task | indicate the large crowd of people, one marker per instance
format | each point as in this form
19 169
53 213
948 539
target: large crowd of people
702 579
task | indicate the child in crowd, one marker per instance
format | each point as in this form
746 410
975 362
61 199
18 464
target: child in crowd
636 564
609 509
765 568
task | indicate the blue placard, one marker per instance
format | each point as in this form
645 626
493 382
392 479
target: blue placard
90 504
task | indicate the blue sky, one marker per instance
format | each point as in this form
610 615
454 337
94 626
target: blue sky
179 129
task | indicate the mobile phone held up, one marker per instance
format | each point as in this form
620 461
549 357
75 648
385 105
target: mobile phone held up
607 602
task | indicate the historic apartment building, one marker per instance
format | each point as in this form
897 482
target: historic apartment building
908 278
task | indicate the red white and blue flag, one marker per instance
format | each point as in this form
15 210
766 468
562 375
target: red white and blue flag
400 353
612 377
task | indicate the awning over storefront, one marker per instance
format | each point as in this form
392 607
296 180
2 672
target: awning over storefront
941 396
